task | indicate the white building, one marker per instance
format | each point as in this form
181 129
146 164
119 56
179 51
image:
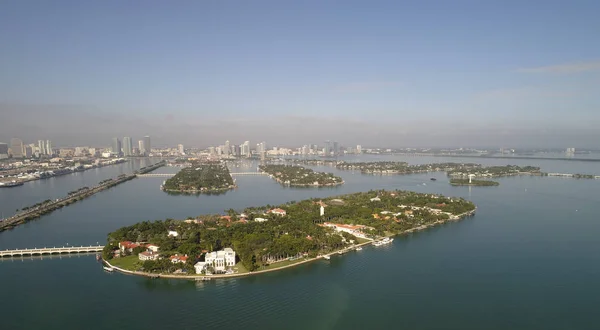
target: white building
173 233
356 230
220 259
260 219
148 255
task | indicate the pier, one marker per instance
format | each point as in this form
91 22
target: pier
52 250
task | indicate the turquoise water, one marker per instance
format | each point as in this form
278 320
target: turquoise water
529 259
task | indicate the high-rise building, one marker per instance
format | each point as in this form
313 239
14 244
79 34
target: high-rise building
358 149
3 150
42 146
27 151
212 151
127 147
227 148
141 147
147 145
116 146
180 148
327 149
336 148
49 150
16 146
245 149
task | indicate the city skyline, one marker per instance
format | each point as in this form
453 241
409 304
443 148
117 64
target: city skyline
484 75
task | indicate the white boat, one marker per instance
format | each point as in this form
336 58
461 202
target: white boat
326 257
359 248
108 269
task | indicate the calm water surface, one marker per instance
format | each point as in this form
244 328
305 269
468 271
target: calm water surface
529 259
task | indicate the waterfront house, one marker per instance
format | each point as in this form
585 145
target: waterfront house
178 259
172 233
221 259
200 266
127 246
277 211
260 219
148 255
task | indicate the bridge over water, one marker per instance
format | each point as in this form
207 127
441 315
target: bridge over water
168 175
52 250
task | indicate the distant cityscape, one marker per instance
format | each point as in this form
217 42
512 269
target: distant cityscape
126 147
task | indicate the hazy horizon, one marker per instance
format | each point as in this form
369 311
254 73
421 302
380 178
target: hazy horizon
380 73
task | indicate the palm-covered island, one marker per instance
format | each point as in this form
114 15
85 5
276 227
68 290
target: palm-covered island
201 178
495 171
294 175
467 182
385 167
269 237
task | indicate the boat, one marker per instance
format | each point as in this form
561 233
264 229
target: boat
433 179
359 248
108 269
10 184
326 257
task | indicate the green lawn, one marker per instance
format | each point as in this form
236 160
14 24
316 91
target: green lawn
129 262
239 268
282 264
362 240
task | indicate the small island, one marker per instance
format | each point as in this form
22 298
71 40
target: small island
467 182
209 177
495 171
268 238
298 176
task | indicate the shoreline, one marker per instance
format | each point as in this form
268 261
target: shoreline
320 257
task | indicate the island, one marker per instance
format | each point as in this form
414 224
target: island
495 171
293 175
268 238
200 177
467 182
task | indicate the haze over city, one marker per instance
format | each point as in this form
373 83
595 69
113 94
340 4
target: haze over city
386 73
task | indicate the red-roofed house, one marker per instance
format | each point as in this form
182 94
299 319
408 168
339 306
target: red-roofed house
278 211
226 217
127 246
152 247
178 259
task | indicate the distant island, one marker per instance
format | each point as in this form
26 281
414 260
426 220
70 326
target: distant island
268 238
466 182
294 175
200 178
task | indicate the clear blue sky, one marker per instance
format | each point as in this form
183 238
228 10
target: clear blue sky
372 72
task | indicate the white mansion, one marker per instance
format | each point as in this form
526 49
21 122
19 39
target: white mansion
219 260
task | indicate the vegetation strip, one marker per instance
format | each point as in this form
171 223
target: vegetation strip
39 209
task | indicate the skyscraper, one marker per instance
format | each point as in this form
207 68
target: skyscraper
327 149
49 150
147 145
227 149
42 146
336 148
358 149
180 148
116 146
141 147
3 150
127 147
16 145
245 149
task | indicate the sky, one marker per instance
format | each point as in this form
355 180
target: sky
377 73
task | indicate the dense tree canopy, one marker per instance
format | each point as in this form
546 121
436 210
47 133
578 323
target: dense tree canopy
300 231
199 177
300 176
